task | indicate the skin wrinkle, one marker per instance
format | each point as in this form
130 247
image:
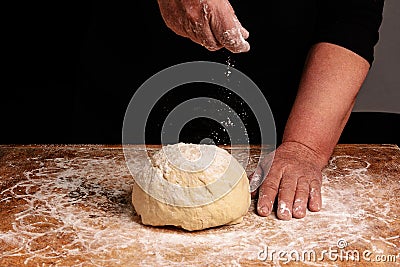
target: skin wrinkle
205 15
212 24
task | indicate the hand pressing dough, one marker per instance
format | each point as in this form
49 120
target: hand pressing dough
215 188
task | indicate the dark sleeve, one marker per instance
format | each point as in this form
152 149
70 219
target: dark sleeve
352 24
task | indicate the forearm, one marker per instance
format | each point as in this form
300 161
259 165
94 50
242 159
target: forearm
331 80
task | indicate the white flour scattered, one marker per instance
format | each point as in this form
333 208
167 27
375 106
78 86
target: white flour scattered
79 209
229 64
227 123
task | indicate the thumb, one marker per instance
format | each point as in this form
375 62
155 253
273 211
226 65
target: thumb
254 179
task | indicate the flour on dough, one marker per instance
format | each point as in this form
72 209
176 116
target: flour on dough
192 166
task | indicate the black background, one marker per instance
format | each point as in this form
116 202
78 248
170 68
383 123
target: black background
71 68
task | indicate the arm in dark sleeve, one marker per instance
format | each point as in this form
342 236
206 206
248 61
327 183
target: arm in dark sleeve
352 24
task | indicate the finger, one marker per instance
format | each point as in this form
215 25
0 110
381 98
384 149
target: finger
233 40
200 33
254 179
301 198
260 172
244 33
287 190
228 31
315 198
268 191
203 35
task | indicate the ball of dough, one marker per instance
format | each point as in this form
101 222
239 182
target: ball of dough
193 187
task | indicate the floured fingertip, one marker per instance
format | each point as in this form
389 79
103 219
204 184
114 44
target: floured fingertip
245 33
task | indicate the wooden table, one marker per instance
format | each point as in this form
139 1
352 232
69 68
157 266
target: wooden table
70 206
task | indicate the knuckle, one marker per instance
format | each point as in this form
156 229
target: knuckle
210 45
316 183
302 191
287 185
269 186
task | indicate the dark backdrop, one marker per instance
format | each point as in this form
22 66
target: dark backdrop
71 69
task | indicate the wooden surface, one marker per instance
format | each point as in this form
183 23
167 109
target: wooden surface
70 206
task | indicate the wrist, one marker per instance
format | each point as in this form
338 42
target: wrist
308 152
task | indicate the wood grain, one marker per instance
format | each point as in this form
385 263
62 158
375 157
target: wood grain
70 206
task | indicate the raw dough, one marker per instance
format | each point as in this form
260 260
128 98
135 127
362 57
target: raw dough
192 167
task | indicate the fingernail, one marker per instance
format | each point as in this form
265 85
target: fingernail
299 212
284 210
315 207
264 210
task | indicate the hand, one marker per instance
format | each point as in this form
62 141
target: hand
295 177
210 23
